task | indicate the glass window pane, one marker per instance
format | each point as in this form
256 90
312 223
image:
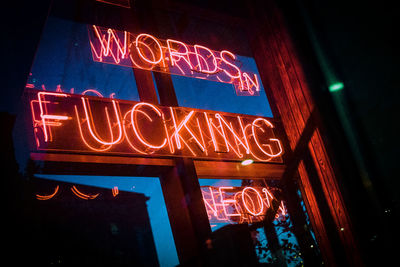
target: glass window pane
246 203
63 61
211 95
135 223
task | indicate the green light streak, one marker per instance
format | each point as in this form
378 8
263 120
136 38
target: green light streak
336 87
341 106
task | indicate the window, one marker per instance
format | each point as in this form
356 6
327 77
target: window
64 62
245 203
210 95
126 216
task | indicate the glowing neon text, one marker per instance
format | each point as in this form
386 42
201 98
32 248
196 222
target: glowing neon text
84 123
145 51
238 204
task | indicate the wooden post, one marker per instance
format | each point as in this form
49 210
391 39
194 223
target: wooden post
181 189
286 86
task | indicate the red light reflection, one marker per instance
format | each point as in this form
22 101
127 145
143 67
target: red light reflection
238 204
80 123
144 51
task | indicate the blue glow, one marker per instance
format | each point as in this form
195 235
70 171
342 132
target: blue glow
150 187
263 253
288 241
220 182
64 58
211 95
303 206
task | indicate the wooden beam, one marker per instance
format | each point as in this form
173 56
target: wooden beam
234 170
180 186
281 71
101 159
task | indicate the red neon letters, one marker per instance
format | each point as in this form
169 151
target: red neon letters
78 193
83 123
49 196
145 51
238 204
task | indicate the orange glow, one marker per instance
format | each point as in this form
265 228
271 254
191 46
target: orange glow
131 144
210 128
115 191
55 119
78 193
47 197
134 126
282 209
82 195
251 83
36 123
210 54
92 91
201 136
184 124
210 206
238 75
155 61
176 56
226 202
268 197
92 128
242 140
110 46
146 65
103 148
269 153
249 199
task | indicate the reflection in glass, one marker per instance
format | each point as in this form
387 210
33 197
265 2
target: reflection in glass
246 202
128 212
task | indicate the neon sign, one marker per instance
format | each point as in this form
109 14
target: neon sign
77 192
48 196
145 51
94 124
238 204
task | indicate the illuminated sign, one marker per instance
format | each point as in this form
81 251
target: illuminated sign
238 204
145 51
76 192
86 123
